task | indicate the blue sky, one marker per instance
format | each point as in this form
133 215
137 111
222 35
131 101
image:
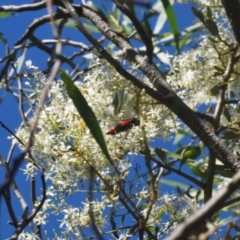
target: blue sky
12 28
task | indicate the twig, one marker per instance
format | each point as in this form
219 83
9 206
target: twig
190 178
181 232
146 37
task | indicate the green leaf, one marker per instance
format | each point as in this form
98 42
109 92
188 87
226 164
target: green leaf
174 184
161 154
231 134
173 155
209 109
89 26
151 228
178 138
214 90
85 111
142 207
222 170
189 153
5 14
212 27
160 213
194 151
227 114
194 168
218 69
186 155
209 13
229 220
172 20
184 40
121 97
20 61
198 14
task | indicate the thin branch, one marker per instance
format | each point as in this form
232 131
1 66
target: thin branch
181 232
229 202
188 177
44 42
210 174
49 51
20 96
23 7
146 38
37 23
232 9
26 220
43 96
113 224
91 199
7 195
225 78
10 131
231 101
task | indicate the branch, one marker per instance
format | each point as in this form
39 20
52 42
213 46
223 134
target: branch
165 94
181 232
188 177
140 30
42 46
39 22
225 78
28 7
232 9
23 7
26 220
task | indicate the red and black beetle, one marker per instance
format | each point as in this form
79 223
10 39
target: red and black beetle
123 125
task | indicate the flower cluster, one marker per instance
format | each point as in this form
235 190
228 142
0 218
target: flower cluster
65 148
198 73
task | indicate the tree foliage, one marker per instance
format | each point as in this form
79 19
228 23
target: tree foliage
95 119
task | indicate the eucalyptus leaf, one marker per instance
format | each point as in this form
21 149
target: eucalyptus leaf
198 14
214 90
161 154
121 97
85 112
212 27
172 20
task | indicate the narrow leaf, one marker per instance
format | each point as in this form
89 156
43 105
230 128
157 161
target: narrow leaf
214 90
174 184
161 154
121 97
85 111
209 13
172 20
231 134
5 14
212 27
195 169
198 14
227 114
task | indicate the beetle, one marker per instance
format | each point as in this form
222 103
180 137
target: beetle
123 125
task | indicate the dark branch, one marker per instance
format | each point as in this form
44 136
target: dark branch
165 94
232 9
213 205
146 37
